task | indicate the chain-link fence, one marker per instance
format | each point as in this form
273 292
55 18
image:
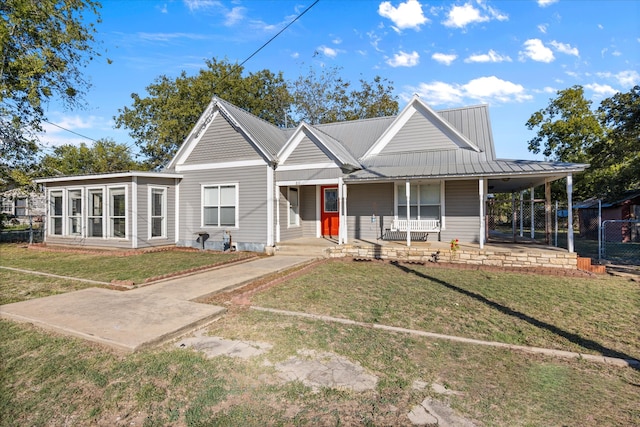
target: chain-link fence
21 229
620 241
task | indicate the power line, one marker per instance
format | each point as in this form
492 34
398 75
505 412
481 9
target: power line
69 130
234 69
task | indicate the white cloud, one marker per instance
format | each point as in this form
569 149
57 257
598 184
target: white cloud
201 4
374 39
484 89
234 16
535 50
565 48
54 136
165 37
491 56
600 27
328 51
336 40
295 55
404 59
545 3
439 93
444 58
492 88
616 53
406 15
461 16
628 78
603 90
543 28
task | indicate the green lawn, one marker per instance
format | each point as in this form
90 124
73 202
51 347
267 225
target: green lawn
105 266
46 379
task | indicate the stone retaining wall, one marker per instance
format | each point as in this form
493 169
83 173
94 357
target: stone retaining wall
490 257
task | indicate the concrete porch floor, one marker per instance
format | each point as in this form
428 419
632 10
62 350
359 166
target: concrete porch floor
311 246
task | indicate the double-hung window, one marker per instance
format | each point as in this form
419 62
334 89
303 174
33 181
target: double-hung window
220 205
75 212
424 201
157 212
117 212
294 207
56 212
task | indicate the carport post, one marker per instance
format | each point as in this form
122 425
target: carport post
570 213
533 214
481 182
521 213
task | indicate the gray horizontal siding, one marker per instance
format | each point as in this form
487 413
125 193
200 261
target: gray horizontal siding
220 143
288 232
144 238
308 210
252 222
367 201
462 211
307 152
418 134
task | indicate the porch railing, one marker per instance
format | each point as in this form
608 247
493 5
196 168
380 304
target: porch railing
421 225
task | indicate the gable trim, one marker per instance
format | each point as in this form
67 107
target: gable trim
416 105
308 166
225 165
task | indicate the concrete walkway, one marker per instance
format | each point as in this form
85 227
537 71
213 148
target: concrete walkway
147 316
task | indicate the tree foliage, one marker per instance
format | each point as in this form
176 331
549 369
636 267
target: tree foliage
43 46
160 121
103 156
326 97
608 139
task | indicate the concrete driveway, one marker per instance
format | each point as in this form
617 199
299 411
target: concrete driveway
147 316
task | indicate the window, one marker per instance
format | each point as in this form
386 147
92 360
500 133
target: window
294 207
75 212
331 200
117 212
424 201
157 212
55 201
21 206
94 218
219 206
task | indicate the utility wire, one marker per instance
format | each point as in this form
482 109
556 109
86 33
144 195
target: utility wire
237 66
233 70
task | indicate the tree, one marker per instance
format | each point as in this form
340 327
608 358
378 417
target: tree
43 46
608 139
103 156
325 97
616 157
160 121
567 127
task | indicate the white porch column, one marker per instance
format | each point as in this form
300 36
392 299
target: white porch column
277 214
408 195
482 214
570 213
134 213
345 231
340 211
532 219
270 207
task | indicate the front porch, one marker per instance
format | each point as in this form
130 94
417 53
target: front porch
524 255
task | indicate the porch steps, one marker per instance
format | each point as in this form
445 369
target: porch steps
584 264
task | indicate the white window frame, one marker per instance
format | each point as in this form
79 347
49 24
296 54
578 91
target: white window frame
69 217
89 212
110 216
293 211
163 214
52 214
203 188
418 201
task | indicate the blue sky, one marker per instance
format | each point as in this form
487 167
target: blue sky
511 55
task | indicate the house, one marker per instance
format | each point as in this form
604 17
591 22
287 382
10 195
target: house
22 206
238 180
625 208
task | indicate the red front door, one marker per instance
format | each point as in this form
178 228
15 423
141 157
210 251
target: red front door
329 211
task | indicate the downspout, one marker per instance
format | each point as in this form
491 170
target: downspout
482 214
270 202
